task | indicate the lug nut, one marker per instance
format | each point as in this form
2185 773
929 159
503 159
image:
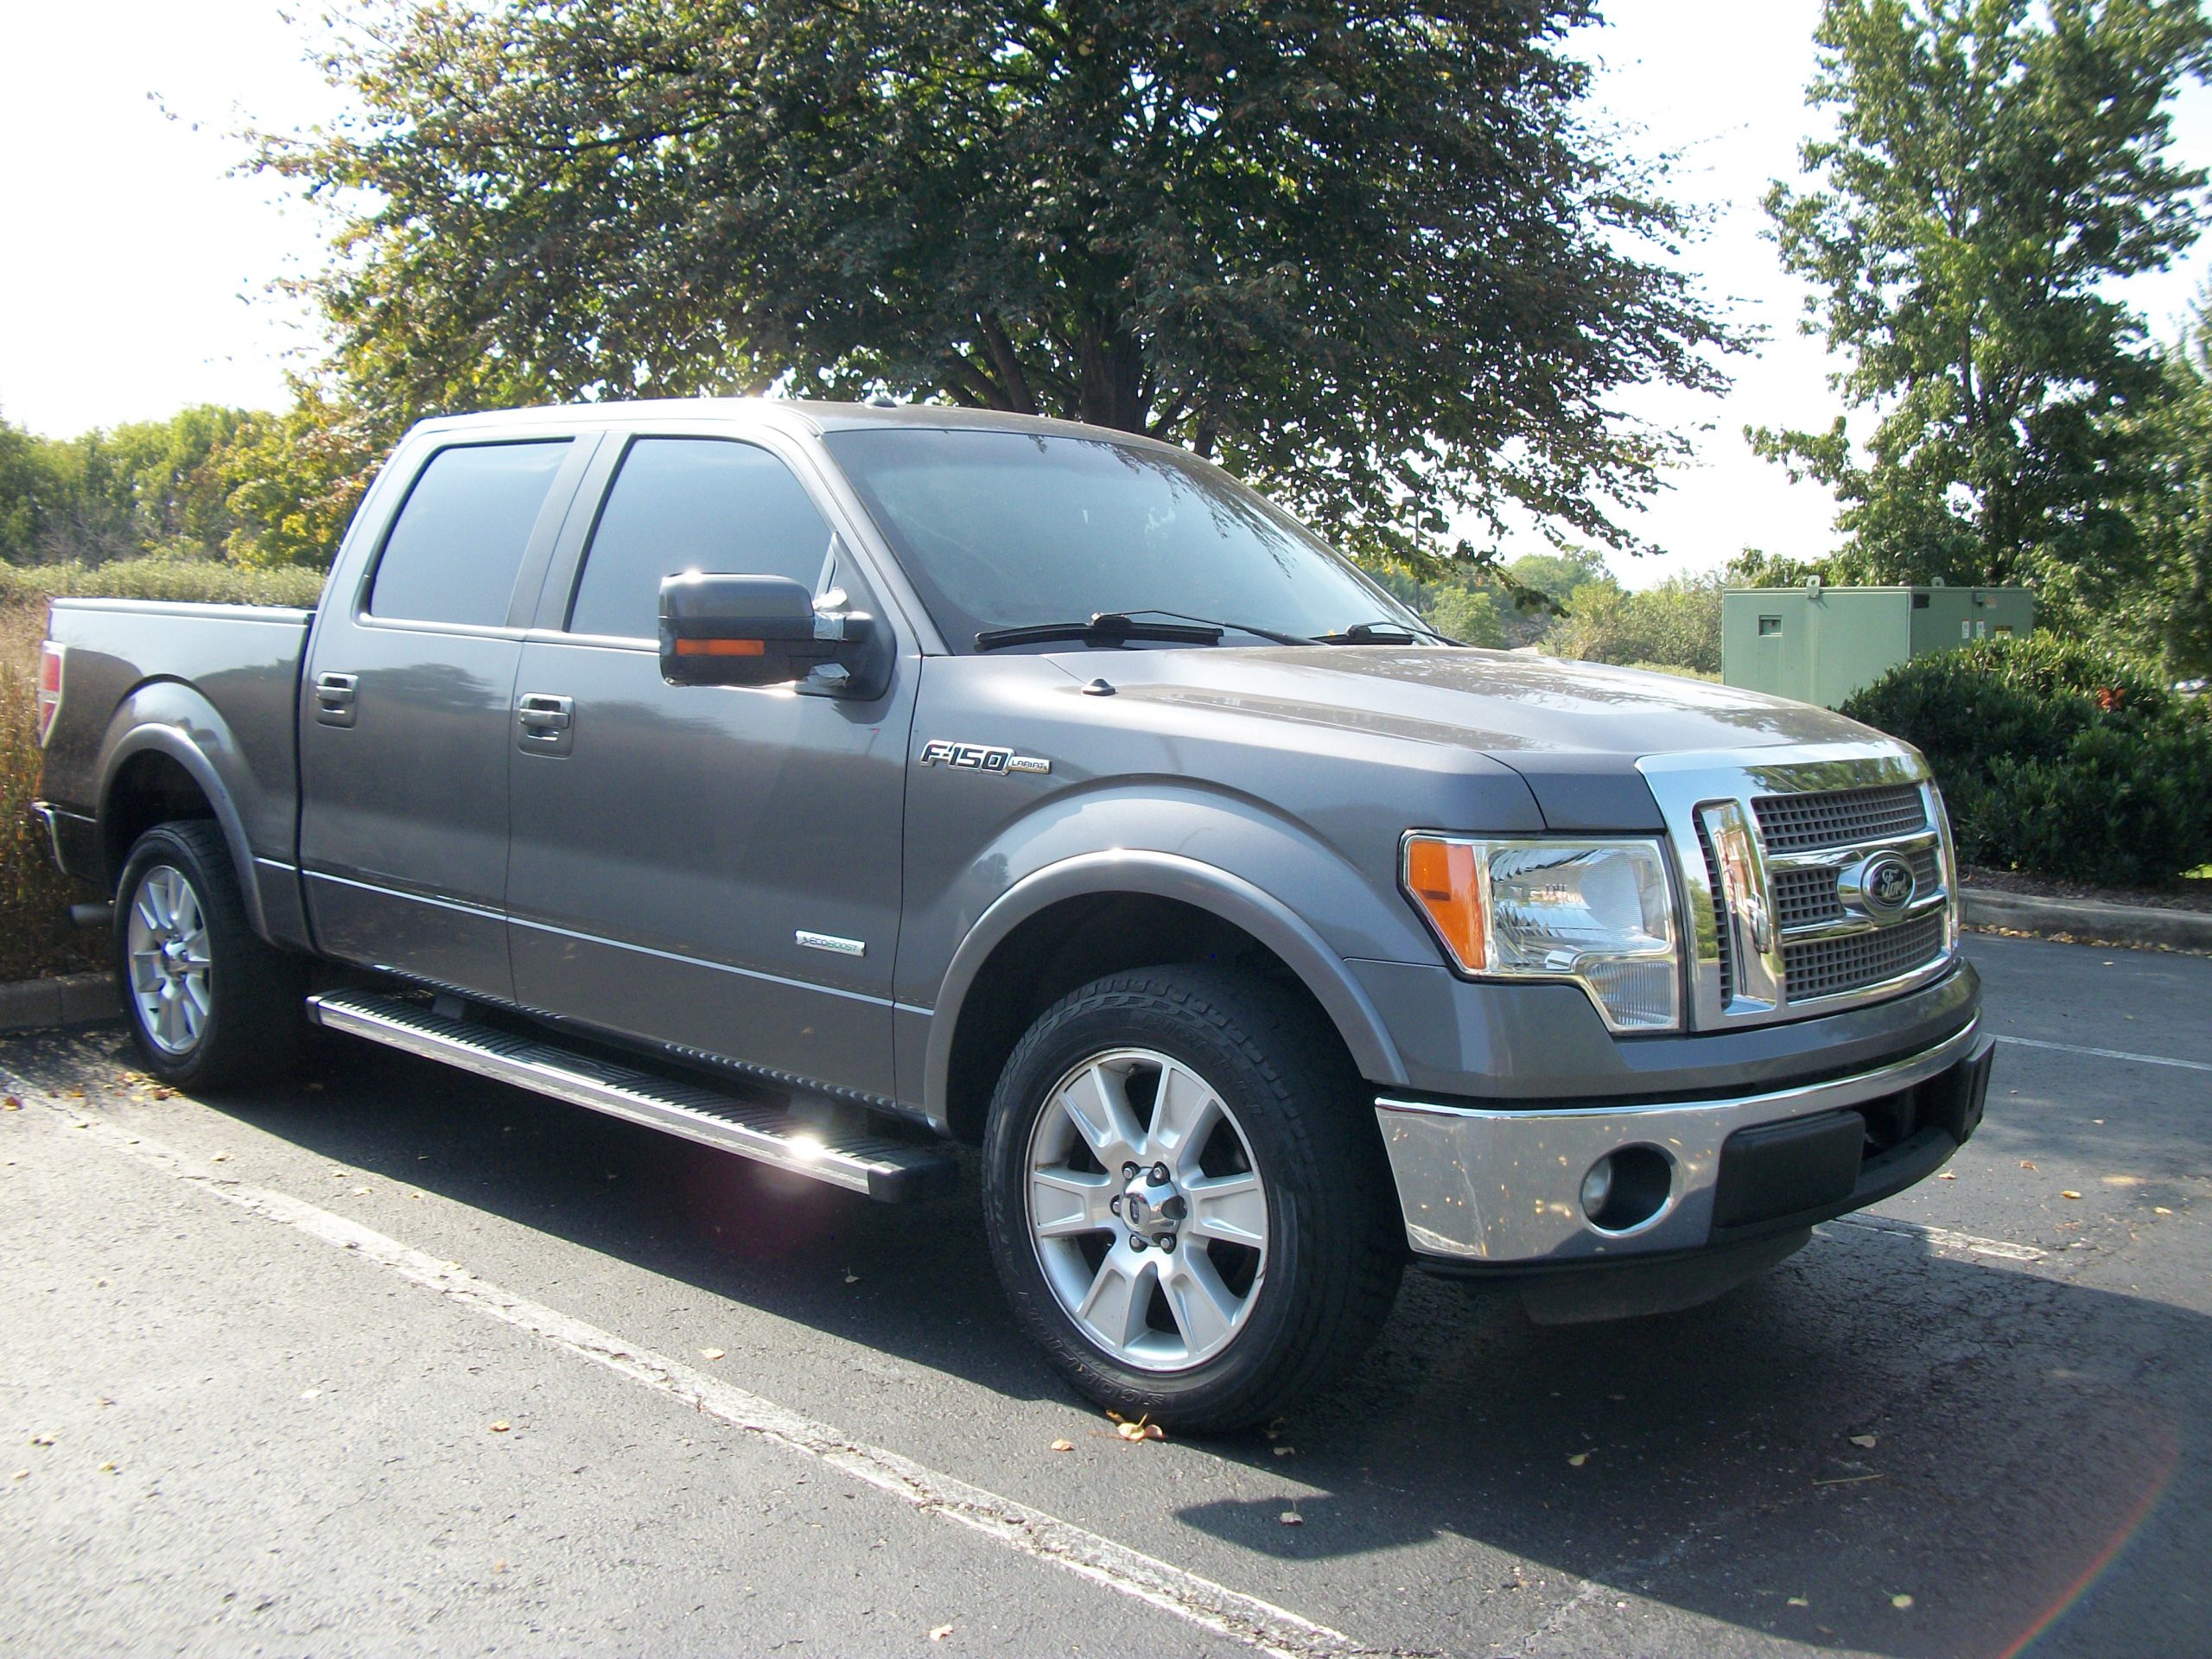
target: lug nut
1128 1171
1114 1204
1159 1174
1168 1243
1136 1243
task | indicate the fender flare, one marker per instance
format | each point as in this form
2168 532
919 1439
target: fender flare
1163 875
167 741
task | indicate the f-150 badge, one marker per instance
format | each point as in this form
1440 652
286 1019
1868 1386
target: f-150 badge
978 757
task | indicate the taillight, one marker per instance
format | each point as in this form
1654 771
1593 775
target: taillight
49 687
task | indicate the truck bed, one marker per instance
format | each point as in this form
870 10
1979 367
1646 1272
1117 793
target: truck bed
224 678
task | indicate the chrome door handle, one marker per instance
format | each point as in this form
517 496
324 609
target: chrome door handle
542 714
334 698
547 722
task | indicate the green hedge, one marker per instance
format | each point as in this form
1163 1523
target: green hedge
204 581
2057 758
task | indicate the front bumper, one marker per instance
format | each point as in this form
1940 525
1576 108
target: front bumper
1487 1186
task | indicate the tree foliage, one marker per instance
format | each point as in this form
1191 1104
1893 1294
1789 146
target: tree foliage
1368 255
1995 163
2170 612
1674 624
293 480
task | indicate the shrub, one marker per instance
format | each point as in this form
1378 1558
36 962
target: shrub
2057 758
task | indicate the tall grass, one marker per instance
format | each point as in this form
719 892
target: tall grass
36 935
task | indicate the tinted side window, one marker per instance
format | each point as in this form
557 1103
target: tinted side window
453 555
693 503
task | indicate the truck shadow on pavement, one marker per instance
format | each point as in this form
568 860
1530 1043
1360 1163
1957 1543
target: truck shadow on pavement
1874 1421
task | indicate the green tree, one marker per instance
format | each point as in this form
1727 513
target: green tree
292 481
1676 624
29 490
1995 163
1372 256
1469 615
2171 614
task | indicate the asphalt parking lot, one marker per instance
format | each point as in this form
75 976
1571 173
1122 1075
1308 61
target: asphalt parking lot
389 1360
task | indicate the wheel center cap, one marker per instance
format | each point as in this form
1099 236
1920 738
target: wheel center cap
172 954
1152 1207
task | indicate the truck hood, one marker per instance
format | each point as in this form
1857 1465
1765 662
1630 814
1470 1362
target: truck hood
1574 730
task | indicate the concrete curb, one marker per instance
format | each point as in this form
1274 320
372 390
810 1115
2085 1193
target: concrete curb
72 1000
2087 918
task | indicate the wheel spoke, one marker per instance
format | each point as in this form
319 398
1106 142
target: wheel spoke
1066 1203
146 972
1205 1310
1183 1115
170 1032
1097 1102
1230 1208
188 908
1119 1298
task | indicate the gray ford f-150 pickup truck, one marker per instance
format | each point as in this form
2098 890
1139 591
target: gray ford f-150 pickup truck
825 784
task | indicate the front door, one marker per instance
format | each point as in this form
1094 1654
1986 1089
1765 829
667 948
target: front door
404 718
714 868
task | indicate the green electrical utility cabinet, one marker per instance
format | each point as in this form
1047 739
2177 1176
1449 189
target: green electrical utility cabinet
1818 643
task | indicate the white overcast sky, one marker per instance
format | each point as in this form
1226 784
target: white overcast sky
134 268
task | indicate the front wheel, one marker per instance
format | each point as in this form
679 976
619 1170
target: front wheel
1187 1203
210 1002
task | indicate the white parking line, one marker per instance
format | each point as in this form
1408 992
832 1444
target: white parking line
2108 1053
1941 1238
1260 1624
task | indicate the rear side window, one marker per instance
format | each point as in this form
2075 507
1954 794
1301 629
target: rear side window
693 503
454 555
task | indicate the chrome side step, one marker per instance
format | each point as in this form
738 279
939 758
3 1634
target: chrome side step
884 1169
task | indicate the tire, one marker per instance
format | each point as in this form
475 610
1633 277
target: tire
1255 1120
210 1003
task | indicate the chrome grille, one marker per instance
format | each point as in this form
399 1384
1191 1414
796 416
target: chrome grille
1840 818
1771 845
1804 897
1821 967
1722 942
1807 898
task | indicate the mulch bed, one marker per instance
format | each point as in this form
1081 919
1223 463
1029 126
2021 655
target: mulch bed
2191 892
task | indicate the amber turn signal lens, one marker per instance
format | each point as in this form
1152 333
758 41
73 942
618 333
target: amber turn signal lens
1440 876
720 648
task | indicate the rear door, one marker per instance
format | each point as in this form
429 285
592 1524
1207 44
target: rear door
714 868
405 716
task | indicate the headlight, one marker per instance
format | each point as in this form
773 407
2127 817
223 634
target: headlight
1598 913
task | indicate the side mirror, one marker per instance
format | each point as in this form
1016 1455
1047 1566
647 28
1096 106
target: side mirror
721 630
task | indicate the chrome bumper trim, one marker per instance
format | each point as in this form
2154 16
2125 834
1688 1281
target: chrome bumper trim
44 813
1503 1186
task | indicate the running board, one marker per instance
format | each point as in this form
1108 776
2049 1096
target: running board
884 1169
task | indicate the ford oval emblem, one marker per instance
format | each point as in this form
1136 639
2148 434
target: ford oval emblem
1886 885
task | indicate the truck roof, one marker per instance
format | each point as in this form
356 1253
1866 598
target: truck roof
816 416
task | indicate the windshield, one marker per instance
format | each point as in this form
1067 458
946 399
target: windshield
999 530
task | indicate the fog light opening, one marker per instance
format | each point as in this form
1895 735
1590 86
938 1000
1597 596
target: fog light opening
1625 1189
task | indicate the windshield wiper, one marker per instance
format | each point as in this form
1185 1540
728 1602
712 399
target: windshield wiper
1105 628
1276 634
1386 633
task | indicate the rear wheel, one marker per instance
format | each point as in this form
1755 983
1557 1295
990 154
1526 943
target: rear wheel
209 1001
1186 1205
